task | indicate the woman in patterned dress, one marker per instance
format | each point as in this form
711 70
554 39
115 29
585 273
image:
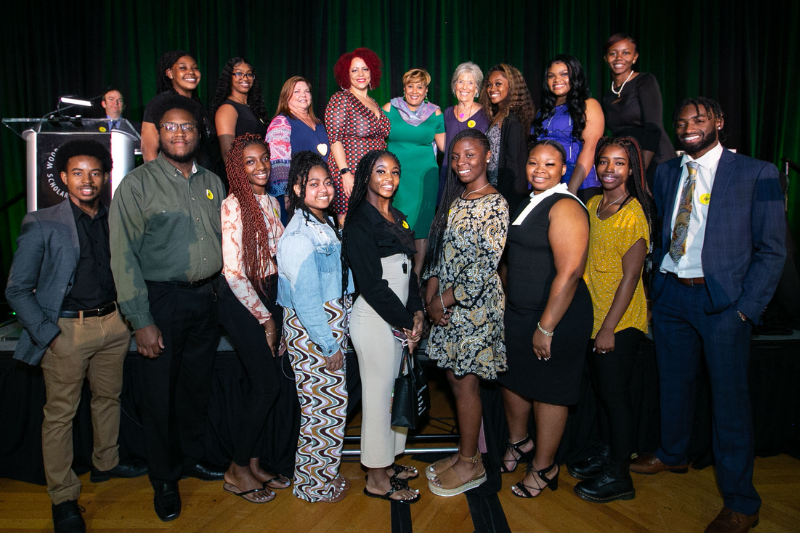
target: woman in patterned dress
465 300
310 291
354 121
247 309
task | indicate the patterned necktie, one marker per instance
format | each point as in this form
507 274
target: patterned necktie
678 246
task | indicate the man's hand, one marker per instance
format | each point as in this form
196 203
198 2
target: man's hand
149 342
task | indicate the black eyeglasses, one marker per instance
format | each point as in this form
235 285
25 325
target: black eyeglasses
188 127
240 75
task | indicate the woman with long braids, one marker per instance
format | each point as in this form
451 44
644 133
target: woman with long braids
378 246
238 105
618 241
247 308
313 294
570 116
177 73
507 102
465 300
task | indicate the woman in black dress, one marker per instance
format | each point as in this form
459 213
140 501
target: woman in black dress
238 105
633 106
548 313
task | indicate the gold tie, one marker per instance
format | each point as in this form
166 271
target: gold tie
678 247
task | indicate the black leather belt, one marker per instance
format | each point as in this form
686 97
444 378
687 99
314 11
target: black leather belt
87 313
188 284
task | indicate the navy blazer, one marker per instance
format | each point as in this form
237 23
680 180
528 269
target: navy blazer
41 274
744 245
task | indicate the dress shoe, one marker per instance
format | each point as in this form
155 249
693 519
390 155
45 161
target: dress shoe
167 501
728 521
614 483
204 471
123 469
649 464
591 467
67 518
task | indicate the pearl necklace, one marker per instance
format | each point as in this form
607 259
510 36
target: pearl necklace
623 85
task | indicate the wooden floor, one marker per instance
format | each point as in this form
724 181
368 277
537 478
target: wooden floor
664 503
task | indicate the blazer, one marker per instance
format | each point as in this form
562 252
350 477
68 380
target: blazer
744 245
41 274
512 182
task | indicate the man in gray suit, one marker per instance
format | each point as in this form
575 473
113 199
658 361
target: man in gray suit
63 292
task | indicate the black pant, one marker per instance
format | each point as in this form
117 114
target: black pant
250 342
612 374
176 384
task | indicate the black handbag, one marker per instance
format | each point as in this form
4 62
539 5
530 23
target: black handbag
411 397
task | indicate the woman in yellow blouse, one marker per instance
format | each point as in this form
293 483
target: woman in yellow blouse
618 242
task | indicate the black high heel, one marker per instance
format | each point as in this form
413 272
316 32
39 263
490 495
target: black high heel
551 483
521 457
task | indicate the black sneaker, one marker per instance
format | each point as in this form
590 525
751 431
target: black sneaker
67 518
591 467
614 483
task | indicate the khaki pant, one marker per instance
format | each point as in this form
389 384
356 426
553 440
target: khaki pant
92 348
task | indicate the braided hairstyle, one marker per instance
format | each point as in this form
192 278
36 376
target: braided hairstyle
576 98
255 233
357 196
255 100
163 83
635 185
453 188
302 163
518 99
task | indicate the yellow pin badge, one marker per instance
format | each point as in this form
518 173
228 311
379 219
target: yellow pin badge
102 129
705 199
209 194
405 224
471 123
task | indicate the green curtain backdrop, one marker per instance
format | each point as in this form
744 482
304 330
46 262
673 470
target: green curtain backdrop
742 53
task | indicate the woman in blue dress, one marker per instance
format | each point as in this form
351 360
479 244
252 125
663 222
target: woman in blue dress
568 114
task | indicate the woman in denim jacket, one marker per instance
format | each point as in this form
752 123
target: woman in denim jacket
310 291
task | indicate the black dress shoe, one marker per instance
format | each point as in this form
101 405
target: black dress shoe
167 501
591 467
614 483
124 470
67 518
204 471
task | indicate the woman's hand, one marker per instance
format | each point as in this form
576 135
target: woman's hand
439 315
347 183
413 335
335 362
541 345
604 341
272 336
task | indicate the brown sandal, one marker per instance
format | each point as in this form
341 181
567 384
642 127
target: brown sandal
451 482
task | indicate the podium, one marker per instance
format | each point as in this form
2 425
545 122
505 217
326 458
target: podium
44 137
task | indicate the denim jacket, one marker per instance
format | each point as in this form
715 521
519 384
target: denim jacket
310 274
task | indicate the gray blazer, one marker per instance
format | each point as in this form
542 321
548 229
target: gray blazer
41 275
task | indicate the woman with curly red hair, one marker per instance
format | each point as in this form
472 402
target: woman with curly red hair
247 307
508 104
354 121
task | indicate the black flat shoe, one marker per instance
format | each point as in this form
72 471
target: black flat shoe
204 471
122 470
614 483
67 518
591 467
167 501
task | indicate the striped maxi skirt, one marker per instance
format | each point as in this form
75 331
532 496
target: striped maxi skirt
323 405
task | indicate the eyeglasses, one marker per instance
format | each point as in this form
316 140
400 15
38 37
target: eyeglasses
240 75
188 127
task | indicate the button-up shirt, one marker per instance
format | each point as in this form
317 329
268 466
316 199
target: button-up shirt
164 227
690 264
93 285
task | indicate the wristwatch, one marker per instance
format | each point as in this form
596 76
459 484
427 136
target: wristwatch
344 170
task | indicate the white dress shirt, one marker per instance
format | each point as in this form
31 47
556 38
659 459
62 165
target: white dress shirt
690 264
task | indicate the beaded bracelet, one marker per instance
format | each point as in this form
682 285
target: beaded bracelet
544 331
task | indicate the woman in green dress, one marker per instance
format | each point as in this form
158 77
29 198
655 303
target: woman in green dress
417 132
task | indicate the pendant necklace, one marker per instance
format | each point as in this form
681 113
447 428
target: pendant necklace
618 93
461 115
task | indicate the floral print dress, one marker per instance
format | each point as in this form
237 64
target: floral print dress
473 341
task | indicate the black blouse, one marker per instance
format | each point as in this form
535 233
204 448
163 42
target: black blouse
371 237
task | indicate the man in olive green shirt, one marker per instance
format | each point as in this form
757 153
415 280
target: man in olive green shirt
166 254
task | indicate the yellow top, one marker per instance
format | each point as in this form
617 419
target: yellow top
609 240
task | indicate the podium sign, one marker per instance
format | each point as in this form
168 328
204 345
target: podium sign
45 137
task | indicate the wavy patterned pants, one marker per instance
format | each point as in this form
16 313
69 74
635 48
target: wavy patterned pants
323 406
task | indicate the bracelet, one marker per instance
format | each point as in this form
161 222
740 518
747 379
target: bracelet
544 331
444 309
